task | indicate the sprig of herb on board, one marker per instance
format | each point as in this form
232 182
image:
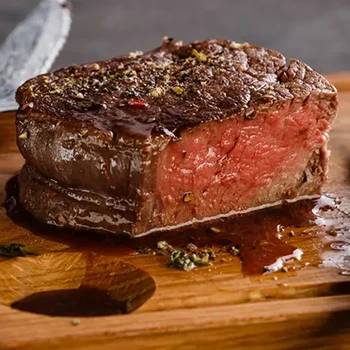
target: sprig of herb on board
182 259
15 249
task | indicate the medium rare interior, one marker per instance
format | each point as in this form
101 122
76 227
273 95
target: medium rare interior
236 164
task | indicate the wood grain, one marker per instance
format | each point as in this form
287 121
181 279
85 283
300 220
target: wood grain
208 308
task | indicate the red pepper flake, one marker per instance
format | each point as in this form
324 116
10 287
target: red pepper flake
50 195
136 103
28 105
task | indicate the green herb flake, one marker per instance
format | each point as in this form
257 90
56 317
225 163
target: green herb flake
163 245
202 261
178 90
15 249
200 56
182 259
129 73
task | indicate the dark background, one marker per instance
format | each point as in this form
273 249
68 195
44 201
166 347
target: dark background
315 31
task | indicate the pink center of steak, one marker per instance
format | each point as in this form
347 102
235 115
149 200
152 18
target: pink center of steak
238 164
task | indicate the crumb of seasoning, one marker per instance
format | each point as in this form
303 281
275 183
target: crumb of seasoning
188 197
96 66
234 251
235 45
28 105
135 54
214 229
178 90
157 92
75 321
23 135
167 39
129 73
143 250
79 95
50 195
191 247
284 269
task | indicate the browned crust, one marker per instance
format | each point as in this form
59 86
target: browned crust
180 85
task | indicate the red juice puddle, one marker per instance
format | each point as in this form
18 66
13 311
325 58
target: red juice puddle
255 236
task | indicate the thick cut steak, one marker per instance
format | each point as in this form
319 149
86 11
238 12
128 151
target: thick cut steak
180 134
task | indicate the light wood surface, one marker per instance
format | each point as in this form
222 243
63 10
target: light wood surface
208 308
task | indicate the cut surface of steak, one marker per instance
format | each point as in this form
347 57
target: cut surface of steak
180 134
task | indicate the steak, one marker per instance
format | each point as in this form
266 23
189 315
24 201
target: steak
180 134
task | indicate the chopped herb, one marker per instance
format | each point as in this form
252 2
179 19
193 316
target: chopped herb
178 90
187 261
202 261
181 260
188 197
14 249
183 75
200 56
163 245
129 73
130 92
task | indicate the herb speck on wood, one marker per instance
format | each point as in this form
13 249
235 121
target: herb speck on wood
14 250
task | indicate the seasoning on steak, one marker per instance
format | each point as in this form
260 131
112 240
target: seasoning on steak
179 134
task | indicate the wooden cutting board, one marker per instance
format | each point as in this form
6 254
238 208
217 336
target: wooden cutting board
213 307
